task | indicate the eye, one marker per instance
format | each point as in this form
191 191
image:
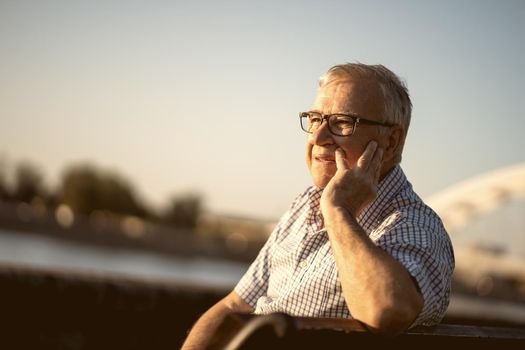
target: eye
314 119
342 122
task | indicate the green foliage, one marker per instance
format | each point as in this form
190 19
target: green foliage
184 210
84 189
28 183
4 191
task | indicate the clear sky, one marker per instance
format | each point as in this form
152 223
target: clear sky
204 95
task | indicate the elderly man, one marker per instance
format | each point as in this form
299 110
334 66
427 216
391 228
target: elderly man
359 243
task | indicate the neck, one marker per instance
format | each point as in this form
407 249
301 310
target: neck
385 170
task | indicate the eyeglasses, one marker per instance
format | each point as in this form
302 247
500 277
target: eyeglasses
339 124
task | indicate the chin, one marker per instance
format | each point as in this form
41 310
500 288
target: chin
321 185
320 173
321 179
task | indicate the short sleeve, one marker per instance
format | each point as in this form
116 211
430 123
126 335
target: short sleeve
424 249
254 283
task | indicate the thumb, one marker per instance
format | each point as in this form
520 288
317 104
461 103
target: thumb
340 159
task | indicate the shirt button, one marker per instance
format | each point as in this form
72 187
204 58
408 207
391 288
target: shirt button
303 264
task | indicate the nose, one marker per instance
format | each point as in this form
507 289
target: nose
322 136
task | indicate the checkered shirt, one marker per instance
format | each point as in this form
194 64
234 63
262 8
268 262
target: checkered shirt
295 271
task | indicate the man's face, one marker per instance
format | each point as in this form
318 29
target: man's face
354 96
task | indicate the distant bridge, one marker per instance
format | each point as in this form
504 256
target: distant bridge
482 270
466 200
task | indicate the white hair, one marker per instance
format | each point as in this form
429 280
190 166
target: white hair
397 105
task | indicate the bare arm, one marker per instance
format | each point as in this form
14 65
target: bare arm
378 290
208 323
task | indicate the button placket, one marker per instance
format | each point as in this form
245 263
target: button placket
303 264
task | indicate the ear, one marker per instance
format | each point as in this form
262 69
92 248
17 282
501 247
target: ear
396 137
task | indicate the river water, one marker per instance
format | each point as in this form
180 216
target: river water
37 250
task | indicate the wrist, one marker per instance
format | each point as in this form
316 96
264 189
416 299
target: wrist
335 215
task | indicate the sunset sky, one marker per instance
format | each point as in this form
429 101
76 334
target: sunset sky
203 96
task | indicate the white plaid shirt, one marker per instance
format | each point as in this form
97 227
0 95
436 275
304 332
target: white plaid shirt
295 271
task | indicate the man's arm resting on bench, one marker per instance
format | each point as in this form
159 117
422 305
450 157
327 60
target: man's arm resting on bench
200 335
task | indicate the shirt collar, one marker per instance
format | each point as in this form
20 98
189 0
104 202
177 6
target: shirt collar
391 184
314 218
371 214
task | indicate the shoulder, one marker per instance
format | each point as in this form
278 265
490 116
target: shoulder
305 196
302 201
409 220
299 205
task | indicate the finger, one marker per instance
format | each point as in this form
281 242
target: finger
375 165
340 160
364 161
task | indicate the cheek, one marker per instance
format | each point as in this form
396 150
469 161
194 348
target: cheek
309 148
353 151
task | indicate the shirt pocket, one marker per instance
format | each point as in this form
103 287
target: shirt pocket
317 285
282 268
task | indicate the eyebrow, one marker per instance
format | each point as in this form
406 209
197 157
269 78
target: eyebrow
351 114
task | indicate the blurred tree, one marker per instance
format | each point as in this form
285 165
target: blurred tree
117 196
28 183
4 194
184 210
85 189
4 191
51 200
80 189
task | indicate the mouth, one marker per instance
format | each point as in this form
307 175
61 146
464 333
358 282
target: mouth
324 158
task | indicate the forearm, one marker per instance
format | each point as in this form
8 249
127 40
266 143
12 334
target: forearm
205 327
378 290
203 330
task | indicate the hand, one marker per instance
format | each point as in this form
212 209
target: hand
353 189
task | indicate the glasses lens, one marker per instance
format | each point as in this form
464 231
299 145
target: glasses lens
338 124
341 124
310 121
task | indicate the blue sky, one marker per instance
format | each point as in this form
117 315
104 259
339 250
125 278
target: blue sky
204 95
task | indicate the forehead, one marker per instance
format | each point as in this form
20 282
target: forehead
351 95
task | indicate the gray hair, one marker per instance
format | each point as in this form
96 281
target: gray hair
397 104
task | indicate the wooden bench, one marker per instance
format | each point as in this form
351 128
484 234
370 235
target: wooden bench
280 331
